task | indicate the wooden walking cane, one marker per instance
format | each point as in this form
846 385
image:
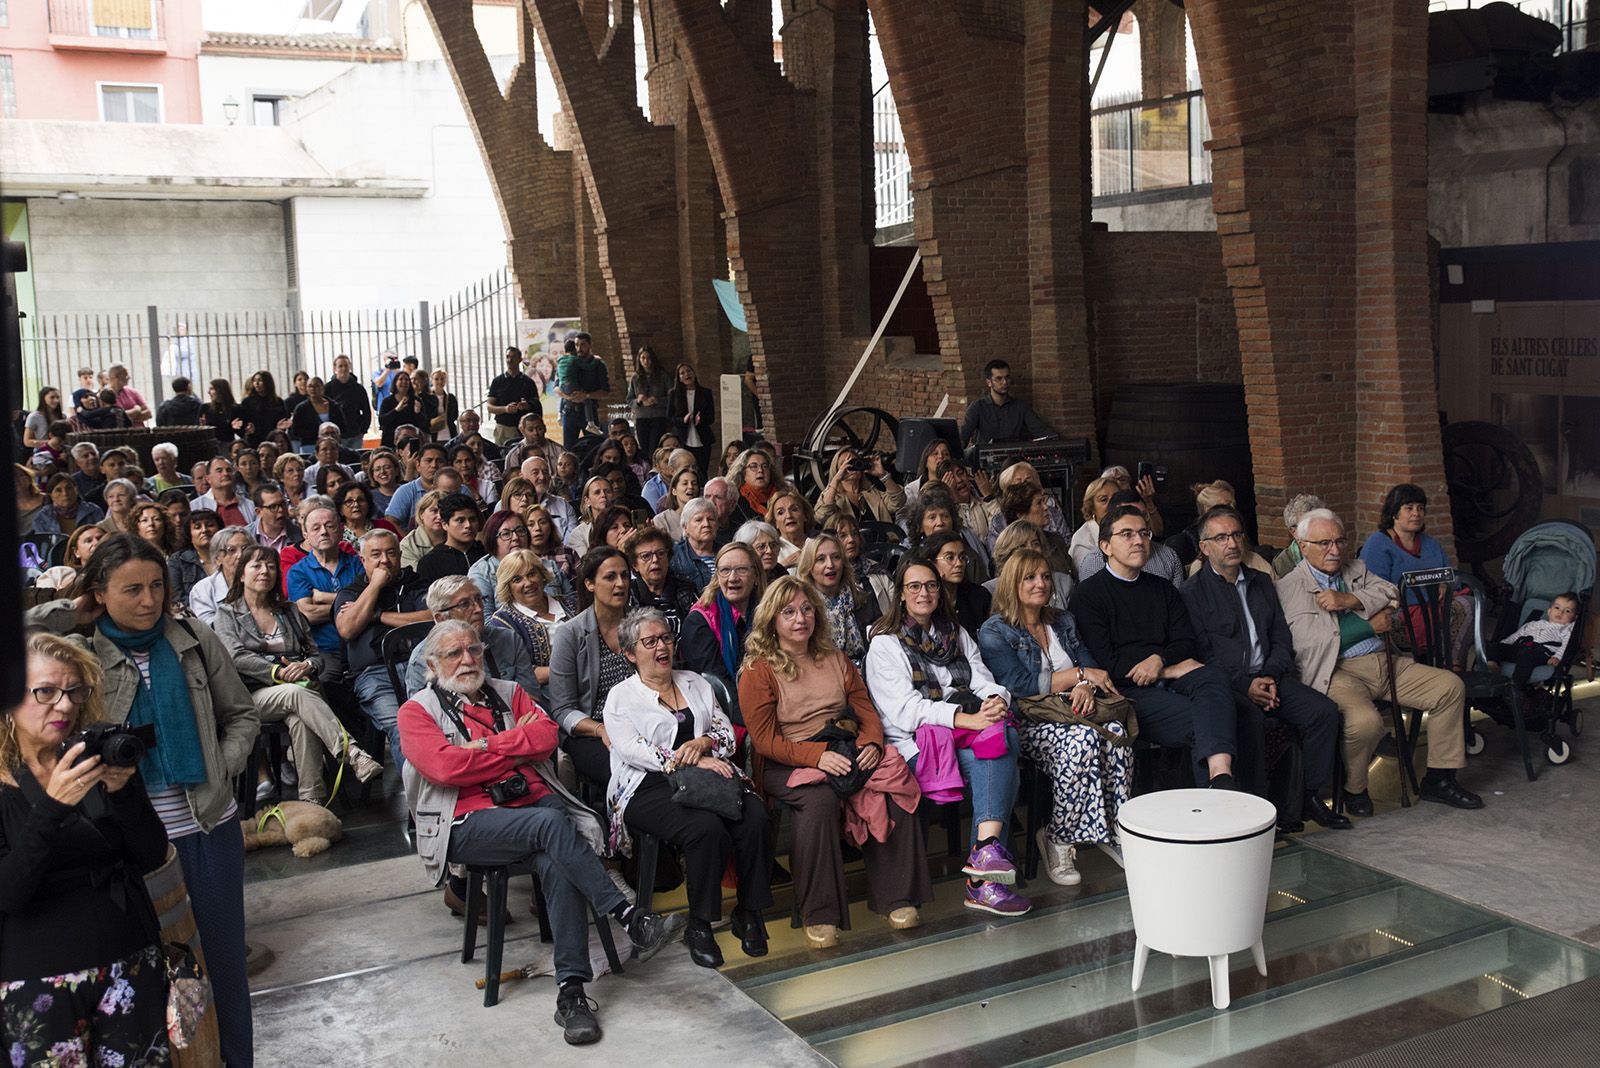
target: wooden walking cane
1402 741
527 971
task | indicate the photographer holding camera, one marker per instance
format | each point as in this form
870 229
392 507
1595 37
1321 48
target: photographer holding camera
850 493
481 786
177 675
82 973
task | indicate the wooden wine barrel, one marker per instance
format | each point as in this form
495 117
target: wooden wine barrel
170 896
195 443
1198 430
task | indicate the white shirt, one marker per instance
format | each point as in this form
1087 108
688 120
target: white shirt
206 595
692 438
904 709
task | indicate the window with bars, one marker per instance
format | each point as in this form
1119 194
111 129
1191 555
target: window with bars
8 87
130 103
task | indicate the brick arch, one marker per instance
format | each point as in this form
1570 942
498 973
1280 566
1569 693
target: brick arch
1319 177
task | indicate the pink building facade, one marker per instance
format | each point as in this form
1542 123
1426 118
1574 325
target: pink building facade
102 60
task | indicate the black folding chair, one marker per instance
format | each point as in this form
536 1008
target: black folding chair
396 649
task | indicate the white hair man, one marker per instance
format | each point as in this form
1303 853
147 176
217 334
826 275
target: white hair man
457 598
1338 612
164 455
482 789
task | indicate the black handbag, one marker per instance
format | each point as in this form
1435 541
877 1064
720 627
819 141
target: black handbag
840 737
703 788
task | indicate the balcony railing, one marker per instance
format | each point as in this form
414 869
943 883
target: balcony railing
891 164
109 20
1150 144
1571 17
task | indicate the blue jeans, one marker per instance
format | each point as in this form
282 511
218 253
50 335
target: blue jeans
213 869
379 702
992 784
574 417
569 872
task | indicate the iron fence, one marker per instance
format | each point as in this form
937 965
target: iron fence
465 335
891 163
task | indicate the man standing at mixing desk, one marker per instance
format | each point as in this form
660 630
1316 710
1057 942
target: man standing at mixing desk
997 416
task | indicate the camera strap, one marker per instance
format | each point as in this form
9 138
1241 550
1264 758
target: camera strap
456 708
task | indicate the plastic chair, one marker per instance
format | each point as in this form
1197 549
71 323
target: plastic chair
499 877
396 650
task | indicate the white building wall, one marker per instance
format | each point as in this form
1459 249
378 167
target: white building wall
243 77
396 120
99 256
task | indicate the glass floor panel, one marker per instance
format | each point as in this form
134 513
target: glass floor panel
1356 960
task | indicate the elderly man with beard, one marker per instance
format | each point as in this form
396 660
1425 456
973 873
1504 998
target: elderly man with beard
505 657
482 789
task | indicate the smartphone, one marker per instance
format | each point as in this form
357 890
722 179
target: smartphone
1156 472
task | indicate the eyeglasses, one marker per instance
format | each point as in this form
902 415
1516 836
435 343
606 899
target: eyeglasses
512 534
1227 537
1327 543
475 651
740 571
655 641
49 695
276 506
464 604
922 587
1131 536
647 555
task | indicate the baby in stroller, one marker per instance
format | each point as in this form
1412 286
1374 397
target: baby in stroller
1540 641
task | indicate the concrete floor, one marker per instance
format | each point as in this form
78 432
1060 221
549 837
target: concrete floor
1530 853
365 965
366 970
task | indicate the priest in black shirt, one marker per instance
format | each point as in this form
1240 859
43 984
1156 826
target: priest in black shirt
1136 625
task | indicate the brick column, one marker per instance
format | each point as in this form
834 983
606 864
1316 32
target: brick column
532 181
626 165
1057 138
1397 423
1163 59
956 72
1283 188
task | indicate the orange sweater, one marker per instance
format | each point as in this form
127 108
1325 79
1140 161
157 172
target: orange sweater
780 715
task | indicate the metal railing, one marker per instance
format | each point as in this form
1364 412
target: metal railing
139 20
1150 144
891 163
465 334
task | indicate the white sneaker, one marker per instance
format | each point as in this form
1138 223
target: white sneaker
1058 859
363 765
1111 851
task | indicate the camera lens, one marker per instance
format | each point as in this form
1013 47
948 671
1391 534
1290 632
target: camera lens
121 750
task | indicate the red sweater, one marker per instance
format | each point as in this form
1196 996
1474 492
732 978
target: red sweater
469 770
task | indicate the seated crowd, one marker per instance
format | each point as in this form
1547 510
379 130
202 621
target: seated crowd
604 629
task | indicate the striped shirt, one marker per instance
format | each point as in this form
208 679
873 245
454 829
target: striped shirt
172 804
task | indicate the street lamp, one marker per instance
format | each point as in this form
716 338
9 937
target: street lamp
230 109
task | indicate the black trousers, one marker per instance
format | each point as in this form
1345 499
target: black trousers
706 841
1198 711
1526 654
591 757
1315 718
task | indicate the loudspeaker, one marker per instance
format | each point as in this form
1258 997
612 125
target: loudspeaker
13 667
916 435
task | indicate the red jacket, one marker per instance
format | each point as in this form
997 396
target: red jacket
470 770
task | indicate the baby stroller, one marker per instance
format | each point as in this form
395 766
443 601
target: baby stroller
1549 559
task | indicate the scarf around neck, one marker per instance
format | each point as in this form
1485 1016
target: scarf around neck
757 497
176 760
932 645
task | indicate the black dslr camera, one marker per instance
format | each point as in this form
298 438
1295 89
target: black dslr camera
507 790
862 463
116 744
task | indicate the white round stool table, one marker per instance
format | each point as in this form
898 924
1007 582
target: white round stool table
1197 864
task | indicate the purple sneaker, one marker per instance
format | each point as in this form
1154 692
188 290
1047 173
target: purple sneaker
996 898
992 864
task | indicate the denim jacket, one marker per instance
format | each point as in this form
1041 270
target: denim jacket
1015 659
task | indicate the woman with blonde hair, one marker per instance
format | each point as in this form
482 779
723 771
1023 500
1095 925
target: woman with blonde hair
714 635
427 534
1096 499
82 972
1025 535
849 493
851 610
1032 648
798 692
524 606
290 472
1186 543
